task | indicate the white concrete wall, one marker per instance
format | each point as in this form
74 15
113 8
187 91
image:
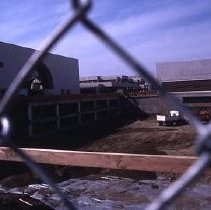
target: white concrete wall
149 104
184 70
64 70
65 73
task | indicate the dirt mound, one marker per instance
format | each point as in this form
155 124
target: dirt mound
147 137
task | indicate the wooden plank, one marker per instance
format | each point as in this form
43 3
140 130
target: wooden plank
156 163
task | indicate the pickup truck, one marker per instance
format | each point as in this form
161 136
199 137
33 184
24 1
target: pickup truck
174 118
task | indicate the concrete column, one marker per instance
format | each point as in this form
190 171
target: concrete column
57 117
30 129
95 110
108 105
79 113
118 106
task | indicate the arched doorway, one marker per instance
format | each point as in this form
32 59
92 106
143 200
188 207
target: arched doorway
39 80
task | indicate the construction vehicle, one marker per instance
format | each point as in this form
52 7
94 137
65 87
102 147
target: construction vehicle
174 118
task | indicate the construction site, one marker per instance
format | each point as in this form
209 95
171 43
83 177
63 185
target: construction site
80 129
103 145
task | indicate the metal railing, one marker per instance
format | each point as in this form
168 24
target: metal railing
81 9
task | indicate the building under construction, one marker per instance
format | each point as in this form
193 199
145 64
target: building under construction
102 84
49 99
189 80
45 78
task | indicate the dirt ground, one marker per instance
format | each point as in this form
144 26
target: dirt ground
138 137
147 137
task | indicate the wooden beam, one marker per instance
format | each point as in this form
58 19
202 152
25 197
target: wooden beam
156 163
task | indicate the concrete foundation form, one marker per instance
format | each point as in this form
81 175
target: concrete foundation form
195 100
54 114
43 115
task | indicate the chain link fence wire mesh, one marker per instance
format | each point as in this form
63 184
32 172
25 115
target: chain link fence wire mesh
80 15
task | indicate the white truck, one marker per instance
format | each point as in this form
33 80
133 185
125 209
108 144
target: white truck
173 119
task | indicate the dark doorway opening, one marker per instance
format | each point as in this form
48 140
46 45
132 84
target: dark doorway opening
39 80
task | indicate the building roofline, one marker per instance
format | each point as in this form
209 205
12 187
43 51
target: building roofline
48 53
186 80
183 61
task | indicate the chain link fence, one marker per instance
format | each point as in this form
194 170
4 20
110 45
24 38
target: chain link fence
81 9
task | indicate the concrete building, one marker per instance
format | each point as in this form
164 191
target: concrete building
96 84
185 75
190 81
55 75
49 100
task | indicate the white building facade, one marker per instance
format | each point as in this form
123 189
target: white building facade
55 75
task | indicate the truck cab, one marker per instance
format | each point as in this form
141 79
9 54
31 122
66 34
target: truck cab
174 118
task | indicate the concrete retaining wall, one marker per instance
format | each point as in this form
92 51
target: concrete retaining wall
149 104
154 104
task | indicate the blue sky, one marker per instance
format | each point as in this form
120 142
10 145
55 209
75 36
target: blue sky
151 30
